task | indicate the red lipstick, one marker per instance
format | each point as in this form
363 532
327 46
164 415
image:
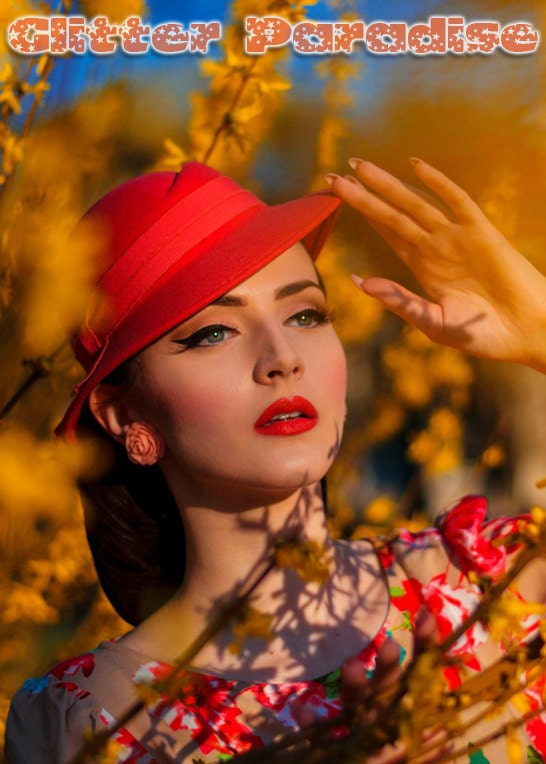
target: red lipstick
287 416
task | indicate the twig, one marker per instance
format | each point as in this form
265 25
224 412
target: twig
226 118
41 367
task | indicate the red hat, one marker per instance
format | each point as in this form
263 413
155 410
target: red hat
176 242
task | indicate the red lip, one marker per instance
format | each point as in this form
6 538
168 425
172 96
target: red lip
293 426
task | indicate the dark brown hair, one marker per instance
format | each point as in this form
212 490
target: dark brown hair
133 527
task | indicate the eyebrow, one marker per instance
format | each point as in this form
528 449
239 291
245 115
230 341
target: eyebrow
295 287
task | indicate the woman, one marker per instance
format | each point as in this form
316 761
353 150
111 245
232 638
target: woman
213 367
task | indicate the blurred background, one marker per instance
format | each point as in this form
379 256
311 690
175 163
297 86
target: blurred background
426 424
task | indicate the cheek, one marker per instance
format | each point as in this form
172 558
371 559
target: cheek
333 372
191 410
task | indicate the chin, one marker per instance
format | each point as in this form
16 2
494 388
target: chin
292 477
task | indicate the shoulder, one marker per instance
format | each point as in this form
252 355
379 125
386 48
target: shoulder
49 716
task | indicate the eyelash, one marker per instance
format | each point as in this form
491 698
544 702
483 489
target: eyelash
194 339
321 317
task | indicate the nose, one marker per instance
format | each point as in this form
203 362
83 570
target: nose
277 357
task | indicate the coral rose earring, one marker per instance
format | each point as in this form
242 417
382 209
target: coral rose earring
144 443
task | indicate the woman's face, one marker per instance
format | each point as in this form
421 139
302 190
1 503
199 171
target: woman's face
249 394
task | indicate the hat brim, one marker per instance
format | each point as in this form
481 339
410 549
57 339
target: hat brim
186 288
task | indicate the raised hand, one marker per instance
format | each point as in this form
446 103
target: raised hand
484 296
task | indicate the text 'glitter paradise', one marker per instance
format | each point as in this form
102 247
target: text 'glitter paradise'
440 35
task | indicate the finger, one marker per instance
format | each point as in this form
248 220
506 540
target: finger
377 210
304 715
435 744
357 685
423 208
426 629
389 754
459 202
387 664
421 313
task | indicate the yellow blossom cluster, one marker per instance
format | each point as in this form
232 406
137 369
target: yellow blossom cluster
249 623
439 448
508 617
418 368
228 121
307 558
493 456
233 113
46 565
434 380
533 529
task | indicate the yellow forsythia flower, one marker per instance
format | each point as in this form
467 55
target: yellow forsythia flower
439 448
250 623
24 604
380 510
388 418
493 456
514 748
306 558
173 157
507 615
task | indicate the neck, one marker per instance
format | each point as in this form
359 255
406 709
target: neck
310 624
224 548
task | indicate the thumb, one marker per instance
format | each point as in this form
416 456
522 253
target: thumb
416 310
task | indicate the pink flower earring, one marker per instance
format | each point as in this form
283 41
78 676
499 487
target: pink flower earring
144 444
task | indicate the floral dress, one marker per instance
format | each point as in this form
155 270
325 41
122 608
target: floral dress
213 719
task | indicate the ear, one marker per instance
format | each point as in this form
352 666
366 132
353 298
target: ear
110 410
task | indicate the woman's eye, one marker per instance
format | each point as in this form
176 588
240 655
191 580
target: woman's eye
213 337
311 317
208 335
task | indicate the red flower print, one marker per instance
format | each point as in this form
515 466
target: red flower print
408 598
287 700
133 752
71 687
368 656
70 667
207 707
451 606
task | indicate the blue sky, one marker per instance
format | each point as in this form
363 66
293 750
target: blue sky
180 72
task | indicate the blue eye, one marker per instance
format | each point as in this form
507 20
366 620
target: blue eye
214 337
311 317
214 334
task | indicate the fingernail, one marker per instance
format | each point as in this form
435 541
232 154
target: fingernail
357 280
330 177
416 160
354 162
